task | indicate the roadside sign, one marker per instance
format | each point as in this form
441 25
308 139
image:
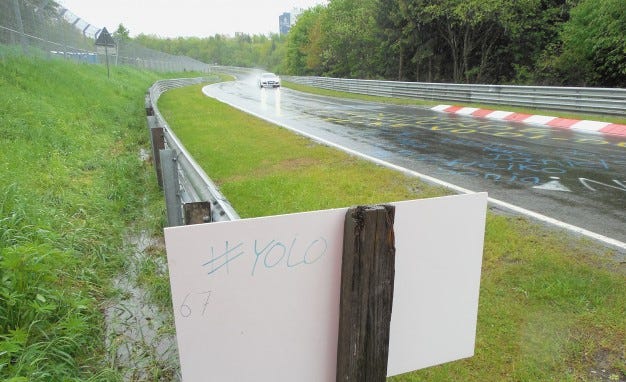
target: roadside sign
258 299
105 40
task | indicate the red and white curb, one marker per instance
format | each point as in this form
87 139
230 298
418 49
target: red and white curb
593 127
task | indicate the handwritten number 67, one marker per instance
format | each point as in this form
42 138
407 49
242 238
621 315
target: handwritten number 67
185 308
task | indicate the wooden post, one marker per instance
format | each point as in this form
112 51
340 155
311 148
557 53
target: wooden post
367 275
197 212
148 105
158 143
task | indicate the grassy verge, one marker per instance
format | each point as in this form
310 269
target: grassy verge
428 103
71 185
551 306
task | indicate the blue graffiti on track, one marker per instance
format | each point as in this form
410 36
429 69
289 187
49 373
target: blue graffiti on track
510 164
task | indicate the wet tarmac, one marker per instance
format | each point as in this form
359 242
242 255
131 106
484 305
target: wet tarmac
577 178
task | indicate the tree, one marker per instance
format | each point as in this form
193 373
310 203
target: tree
594 44
533 36
350 42
121 33
470 29
395 29
241 50
303 44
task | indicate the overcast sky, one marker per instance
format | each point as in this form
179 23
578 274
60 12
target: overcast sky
185 18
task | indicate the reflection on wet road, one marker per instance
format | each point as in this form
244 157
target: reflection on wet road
577 178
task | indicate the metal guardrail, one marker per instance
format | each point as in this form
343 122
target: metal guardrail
590 100
188 181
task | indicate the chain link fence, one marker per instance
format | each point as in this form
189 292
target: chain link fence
45 28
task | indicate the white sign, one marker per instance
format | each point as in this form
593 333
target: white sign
258 299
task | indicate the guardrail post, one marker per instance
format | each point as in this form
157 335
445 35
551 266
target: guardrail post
192 183
367 279
157 141
197 213
148 105
171 188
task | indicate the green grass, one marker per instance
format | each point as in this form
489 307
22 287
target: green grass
71 185
430 103
551 305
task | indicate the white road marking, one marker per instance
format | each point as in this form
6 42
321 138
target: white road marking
553 185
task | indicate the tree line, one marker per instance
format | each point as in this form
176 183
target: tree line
545 42
241 50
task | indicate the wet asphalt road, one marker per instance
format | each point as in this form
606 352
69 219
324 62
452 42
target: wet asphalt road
577 178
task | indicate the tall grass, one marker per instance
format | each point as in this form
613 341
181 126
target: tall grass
70 185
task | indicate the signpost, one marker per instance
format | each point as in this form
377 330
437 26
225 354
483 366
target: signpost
104 39
259 299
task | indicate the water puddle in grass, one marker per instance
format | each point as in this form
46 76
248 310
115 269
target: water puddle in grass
136 340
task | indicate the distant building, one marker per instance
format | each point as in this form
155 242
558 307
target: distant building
284 23
287 20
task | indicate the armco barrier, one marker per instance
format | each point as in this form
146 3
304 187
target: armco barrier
588 100
187 184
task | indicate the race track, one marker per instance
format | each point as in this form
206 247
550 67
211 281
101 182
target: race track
570 177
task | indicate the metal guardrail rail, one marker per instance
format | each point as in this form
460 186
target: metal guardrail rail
589 100
191 183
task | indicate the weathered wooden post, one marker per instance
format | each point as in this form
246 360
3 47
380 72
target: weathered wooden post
367 280
148 105
197 213
157 140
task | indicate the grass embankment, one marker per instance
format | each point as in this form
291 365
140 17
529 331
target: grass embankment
71 183
429 104
551 306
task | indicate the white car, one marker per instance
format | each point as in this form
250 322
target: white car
269 80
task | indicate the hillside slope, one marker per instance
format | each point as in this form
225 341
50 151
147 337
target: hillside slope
70 185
